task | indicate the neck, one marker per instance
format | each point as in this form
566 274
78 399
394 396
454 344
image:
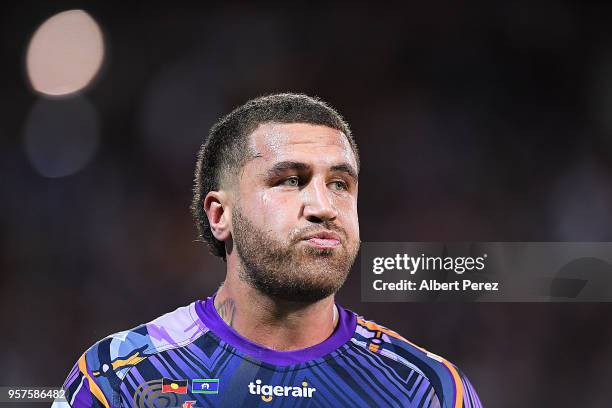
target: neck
273 323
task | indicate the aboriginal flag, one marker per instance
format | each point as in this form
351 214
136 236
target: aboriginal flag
175 386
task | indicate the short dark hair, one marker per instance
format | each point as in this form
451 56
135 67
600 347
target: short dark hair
226 149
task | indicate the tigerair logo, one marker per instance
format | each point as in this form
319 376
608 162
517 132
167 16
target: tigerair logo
267 392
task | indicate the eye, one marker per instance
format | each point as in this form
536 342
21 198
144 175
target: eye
339 185
292 181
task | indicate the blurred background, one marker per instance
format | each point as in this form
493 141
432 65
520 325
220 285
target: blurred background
476 122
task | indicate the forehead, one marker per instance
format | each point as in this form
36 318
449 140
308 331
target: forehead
273 142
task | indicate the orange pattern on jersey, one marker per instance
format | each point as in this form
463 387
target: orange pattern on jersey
93 387
458 383
131 360
456 378
374 327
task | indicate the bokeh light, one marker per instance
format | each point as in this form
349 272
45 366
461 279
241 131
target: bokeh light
65 53
61 136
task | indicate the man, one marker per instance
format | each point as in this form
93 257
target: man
276 197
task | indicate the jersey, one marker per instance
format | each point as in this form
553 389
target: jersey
191 358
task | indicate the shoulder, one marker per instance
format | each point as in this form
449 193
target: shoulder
124 349
98 372
451 386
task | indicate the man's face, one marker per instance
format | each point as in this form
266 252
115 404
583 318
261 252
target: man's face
295 223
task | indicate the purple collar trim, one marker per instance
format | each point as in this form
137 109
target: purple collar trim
347 322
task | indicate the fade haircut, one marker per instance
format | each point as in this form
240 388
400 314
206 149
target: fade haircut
227 148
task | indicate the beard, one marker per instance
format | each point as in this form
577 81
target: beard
291 271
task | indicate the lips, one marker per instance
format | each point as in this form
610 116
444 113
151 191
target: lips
323 239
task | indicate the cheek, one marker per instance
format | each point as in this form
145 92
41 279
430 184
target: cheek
274 212
348 211
354 227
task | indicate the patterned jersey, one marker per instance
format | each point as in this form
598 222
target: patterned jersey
192 358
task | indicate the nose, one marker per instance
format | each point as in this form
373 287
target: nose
318 203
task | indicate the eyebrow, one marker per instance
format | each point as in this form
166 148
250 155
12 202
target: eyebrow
280 168
346 168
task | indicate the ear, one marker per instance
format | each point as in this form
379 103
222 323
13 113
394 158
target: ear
216 206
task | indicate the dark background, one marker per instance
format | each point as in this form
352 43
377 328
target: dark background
475 122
